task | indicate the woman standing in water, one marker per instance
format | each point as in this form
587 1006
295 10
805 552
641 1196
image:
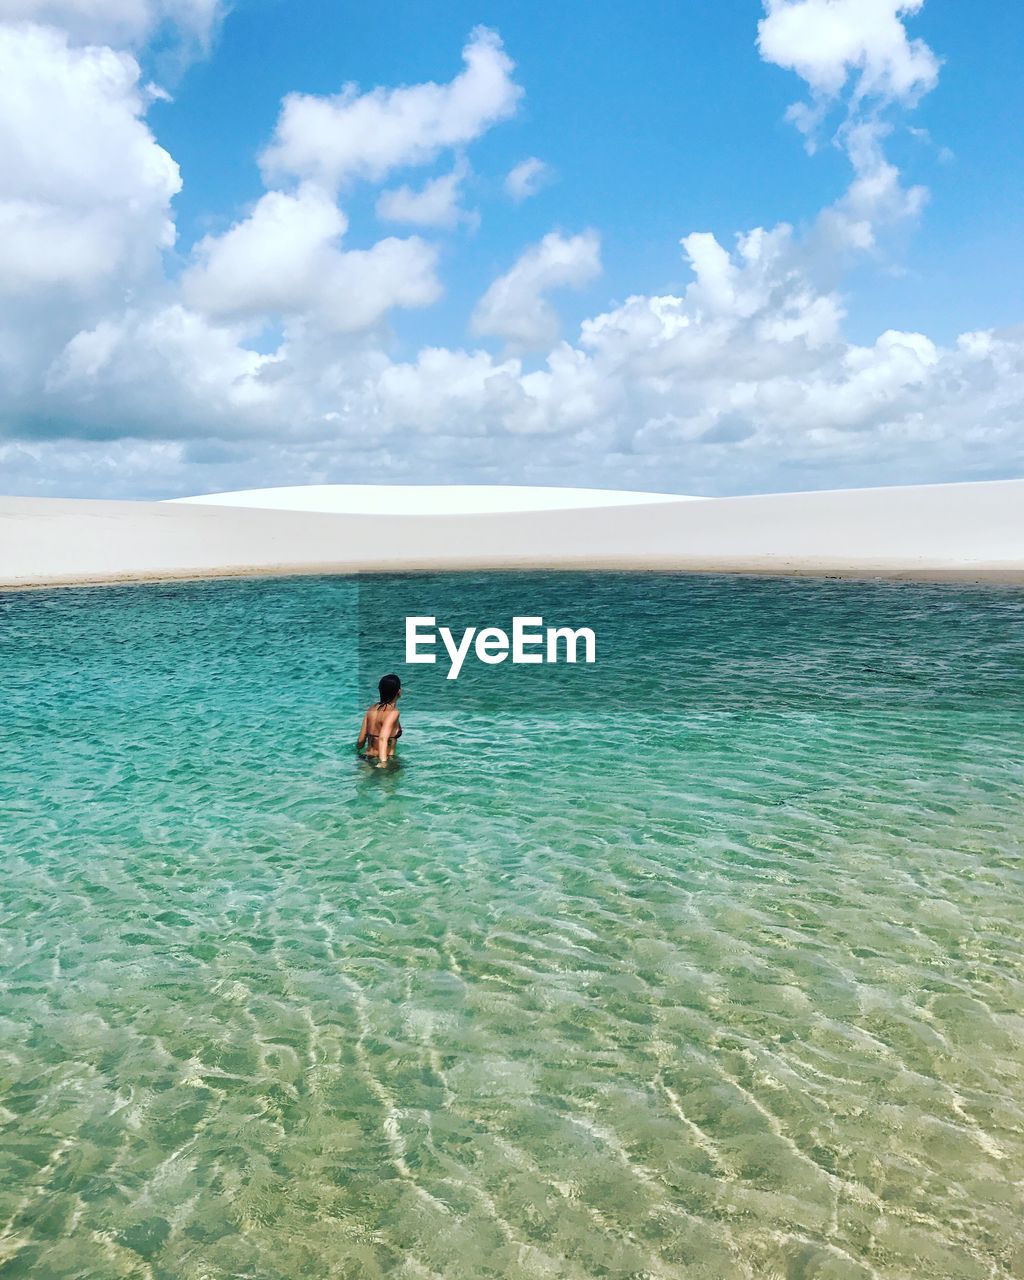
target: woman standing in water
381 729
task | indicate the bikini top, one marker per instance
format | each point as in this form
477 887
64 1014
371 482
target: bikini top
372 737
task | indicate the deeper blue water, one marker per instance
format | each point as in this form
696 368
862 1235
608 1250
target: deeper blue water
704 961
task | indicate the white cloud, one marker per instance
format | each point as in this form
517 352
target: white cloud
435 204
273 261
527 178
515 308
747 369
828 42
284 260
85 190
876 198
744 380
120 23
169 356
860 49
369 282
746 317
443 389
119 380
353 135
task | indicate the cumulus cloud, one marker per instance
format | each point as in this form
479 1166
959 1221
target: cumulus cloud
743 380
120 380
857 52
85 190
271 261
527 178
284 260
749 336
435 204
515 308
875 199
85 203
829 43
366 135
72 467
201 372
120 23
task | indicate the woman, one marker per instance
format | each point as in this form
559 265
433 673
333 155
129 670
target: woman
381 729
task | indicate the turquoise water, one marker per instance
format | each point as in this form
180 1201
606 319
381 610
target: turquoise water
705 961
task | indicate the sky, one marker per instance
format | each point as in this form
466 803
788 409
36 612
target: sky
687 247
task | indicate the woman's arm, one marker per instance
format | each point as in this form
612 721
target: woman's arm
362 731
384 732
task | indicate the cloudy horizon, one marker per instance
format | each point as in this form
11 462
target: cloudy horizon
414 280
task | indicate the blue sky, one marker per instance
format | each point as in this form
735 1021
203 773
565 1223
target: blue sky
154 368
659 121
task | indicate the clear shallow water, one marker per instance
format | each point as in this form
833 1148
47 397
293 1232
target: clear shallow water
703 962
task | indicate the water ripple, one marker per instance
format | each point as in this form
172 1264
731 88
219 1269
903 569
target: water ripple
713 969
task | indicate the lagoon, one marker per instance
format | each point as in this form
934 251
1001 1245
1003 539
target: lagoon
704 960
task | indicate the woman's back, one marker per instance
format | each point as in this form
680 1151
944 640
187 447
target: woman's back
380 729
376 716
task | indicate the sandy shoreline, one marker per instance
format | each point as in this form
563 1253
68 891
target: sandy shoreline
972 532
990 576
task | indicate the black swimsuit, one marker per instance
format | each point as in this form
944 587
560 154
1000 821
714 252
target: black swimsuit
371 738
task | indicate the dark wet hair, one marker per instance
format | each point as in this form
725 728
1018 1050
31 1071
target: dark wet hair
388 687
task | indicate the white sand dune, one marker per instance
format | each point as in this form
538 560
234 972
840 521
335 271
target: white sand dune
427 499
972 531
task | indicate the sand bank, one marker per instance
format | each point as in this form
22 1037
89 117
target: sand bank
428 499
972 532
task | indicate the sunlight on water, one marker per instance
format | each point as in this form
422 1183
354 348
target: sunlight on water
703 962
